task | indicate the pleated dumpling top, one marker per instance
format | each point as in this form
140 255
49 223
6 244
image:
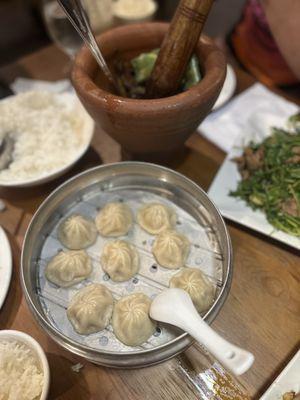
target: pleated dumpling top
77 232
114 219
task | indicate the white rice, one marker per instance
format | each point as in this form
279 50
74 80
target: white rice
21 377
48 133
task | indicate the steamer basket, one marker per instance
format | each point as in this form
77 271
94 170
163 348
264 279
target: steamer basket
133 183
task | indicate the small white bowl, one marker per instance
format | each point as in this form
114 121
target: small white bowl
228 88
87 130
122 18
41 356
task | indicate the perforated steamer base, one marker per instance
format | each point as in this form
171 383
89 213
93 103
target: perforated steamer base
134 184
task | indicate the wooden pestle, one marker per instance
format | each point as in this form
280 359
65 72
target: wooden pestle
177 47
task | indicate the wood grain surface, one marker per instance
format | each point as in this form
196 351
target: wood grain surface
262 312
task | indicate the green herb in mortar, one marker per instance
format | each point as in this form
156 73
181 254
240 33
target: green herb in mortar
134 74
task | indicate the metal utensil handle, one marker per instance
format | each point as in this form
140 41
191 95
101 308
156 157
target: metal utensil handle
78 17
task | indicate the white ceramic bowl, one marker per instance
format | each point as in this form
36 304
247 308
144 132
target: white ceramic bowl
228 88
124 18
87 130
34 345
5 266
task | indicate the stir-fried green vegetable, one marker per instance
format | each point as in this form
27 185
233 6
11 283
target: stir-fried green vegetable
271 177
294 123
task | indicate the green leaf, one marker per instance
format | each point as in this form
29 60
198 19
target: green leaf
144 63
192 75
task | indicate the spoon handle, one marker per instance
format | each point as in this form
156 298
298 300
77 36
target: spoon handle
174 306
233 358
78 17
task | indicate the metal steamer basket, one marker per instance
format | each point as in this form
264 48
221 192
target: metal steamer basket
134 183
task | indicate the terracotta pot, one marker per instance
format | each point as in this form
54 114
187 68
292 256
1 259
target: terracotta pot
147 129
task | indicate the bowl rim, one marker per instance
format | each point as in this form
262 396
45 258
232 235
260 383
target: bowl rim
7 266
214 75
37 348
184 339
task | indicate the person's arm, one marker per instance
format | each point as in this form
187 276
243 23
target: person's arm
284 20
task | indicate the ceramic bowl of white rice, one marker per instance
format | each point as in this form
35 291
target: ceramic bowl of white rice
51 132
24 368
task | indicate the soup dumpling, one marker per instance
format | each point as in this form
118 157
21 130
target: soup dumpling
131 322
90 310
120 260
171 249
115 219
195 283
77 232
68 268
156 217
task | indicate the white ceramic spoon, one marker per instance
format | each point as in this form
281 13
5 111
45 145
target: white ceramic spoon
175 307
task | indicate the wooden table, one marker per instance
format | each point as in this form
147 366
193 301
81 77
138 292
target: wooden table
262 312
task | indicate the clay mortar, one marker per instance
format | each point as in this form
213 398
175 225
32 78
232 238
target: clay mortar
150 130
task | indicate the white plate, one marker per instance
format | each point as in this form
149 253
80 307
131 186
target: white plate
5 266
228 177
228 88
287 381
88 130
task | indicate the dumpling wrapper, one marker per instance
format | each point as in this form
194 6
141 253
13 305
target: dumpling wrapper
115 219
68 268
131 322
77 232
91 308
171 249
120 260
156 217
195 283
